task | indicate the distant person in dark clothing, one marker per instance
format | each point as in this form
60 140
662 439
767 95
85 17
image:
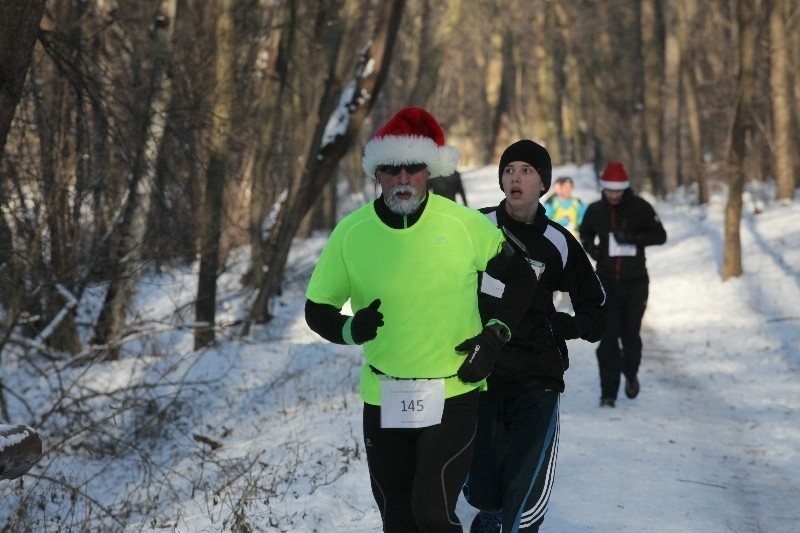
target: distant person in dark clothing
614 232
598 159
448 186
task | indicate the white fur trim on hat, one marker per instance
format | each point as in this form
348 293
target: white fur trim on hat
615 185
614 177
400 150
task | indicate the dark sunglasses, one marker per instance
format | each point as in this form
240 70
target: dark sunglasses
394 170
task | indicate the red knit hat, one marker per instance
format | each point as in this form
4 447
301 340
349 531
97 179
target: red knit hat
614 177
412 135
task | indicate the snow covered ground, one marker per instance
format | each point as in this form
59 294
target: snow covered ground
265 432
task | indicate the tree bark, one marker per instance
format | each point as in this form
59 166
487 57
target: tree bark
500 91
781 97
547 106
267 186
439 22
18 31
652 24
673 67
575 128
687 10
19 27
133 226
742 123
211 214
56 245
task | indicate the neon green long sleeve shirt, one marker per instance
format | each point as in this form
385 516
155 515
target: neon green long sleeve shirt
426 277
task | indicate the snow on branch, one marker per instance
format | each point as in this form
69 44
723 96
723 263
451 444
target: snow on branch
71 303
353 96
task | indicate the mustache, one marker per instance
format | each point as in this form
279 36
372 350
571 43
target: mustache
403 189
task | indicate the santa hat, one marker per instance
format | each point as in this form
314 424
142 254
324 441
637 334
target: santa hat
412 135
614 177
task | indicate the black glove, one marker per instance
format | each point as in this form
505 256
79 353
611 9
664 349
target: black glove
625 237
366 322
594 252
481 351
565 326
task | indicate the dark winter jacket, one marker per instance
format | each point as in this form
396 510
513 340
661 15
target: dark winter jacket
448 186
534 358
634 218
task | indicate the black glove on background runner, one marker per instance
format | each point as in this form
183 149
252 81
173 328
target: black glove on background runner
625 237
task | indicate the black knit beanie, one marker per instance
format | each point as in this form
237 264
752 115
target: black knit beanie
532 153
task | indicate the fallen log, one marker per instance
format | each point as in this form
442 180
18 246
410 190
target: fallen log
20 449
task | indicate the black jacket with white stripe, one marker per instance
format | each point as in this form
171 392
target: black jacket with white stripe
535 358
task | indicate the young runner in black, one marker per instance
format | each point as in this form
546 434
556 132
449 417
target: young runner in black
513 465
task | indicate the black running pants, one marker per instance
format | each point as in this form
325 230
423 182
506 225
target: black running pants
417 474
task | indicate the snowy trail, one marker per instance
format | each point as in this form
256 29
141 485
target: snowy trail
711 445
678 458
726 465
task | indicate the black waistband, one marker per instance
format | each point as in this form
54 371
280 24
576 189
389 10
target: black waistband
375 370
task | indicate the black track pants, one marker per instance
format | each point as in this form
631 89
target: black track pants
514 462
626 302
417 474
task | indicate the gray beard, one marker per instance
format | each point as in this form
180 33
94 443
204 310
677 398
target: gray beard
403 207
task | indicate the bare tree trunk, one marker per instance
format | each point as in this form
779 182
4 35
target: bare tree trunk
58 254
794 84
324 156
672 97
572 101
439 22
211 215
742 123
266 186
781 107
695 137
547 105
500 92
312 79
547 110
322 214
652 24
19 27
133 227
687 10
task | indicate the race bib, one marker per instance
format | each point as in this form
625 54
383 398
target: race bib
492 286
411 403
616 249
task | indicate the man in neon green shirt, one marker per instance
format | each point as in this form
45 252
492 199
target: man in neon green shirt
409 263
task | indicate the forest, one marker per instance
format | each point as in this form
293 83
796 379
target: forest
145 135
140 137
